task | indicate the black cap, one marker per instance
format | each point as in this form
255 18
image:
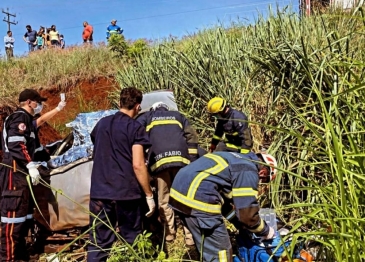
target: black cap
31 94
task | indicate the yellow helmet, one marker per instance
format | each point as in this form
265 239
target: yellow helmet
216 105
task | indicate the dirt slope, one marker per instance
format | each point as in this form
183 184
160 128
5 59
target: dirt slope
86 96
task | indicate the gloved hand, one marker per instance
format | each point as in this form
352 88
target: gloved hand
151 205
212 148
61 105
33 172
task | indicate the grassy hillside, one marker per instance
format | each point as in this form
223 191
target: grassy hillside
57 68
300 80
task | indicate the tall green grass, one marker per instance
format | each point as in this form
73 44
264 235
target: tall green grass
301 82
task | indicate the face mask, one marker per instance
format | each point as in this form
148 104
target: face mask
38 109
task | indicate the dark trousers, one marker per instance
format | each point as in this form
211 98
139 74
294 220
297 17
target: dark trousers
126 213
16 218
210 236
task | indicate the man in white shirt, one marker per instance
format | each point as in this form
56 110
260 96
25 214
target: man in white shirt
9 44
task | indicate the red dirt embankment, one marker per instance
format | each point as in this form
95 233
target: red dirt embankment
86 96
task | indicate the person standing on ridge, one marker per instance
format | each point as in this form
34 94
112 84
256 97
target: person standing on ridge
54 36
113 29
232 124
87 33
30 37
9 45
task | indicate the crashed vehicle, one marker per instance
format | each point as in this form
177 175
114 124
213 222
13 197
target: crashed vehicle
65 204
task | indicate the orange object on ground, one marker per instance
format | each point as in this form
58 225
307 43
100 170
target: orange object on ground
305 255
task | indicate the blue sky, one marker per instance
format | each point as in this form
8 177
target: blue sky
151 19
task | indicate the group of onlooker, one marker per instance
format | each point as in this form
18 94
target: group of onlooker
50 37
43 38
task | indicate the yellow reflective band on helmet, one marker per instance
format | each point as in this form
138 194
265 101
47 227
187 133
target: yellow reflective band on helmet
163 122
169 159
193 151
222 255
216 137
196 204
244 191
221 164
259 228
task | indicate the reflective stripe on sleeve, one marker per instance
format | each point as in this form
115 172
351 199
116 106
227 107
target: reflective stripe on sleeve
232 146
244 191
17 139
222 254
38 149
170 159
196 204
244 151
29 216
221 164
216 137
32 135
193 151
13 220
163 122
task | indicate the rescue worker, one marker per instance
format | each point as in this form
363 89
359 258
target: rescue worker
174 144
18 145
232 124
113 29
119 178
196 195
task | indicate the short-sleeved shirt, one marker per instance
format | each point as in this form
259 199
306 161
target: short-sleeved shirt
53 35
32 35
113 176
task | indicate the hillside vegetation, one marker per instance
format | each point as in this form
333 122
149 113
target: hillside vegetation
300 80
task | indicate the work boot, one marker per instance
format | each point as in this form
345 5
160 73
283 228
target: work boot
170 238
189 242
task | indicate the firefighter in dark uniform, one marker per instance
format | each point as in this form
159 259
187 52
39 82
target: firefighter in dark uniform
196 195
232 124
174 145
119 179
18 145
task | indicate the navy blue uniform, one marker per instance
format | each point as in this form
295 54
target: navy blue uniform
174 141
196 194
237 133
174 145
116 196
18 145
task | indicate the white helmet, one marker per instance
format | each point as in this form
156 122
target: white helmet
271 161
158 105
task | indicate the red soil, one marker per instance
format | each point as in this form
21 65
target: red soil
86 96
